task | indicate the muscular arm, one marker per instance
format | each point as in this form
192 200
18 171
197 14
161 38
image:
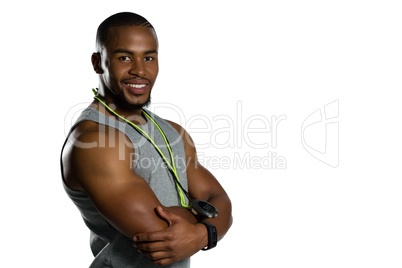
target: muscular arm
182 240
104 172
204 186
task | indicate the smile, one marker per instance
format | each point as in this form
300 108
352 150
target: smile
137 85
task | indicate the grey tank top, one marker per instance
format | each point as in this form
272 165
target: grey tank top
109 247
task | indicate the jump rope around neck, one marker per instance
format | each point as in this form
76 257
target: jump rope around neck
202 208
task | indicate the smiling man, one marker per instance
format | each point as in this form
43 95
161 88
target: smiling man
135 177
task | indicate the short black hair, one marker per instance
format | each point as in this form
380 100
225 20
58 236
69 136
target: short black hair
117 20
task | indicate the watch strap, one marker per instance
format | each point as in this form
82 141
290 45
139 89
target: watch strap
212 235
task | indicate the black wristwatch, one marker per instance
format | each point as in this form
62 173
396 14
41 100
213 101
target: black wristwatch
212 235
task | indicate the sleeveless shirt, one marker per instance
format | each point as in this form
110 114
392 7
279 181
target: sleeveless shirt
109 247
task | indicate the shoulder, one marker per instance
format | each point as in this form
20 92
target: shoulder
92 147
90 135
86 132
188 141
189 145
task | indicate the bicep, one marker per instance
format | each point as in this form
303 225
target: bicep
122 197
202 183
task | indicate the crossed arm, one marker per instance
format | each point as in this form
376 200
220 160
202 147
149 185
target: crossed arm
163 234
159 246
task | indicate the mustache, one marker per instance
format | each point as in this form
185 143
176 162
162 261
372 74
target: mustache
135 77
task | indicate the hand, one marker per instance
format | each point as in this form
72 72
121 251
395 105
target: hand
179 241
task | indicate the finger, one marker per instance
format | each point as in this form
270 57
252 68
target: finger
148 237
151 247
151 237
167 216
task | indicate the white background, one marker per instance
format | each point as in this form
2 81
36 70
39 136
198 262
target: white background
273 58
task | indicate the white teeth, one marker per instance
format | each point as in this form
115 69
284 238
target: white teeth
137 85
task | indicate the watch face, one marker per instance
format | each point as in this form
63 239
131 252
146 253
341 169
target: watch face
204 208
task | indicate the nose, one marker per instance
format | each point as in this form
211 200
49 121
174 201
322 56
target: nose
137 68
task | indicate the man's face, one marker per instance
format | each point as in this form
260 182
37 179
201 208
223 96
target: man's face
129 63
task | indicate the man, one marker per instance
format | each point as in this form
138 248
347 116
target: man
128 171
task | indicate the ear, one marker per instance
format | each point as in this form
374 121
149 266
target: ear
96 62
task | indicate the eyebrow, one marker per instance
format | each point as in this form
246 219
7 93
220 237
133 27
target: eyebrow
120 50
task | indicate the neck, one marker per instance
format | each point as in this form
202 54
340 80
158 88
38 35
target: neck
112 105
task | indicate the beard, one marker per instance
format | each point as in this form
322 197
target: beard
129 106
122 103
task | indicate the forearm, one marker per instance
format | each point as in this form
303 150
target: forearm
222 222
224 219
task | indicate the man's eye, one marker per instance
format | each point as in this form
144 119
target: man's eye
149 58
124 58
